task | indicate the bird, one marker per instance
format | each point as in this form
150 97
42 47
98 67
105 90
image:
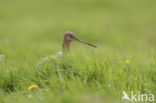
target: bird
67 39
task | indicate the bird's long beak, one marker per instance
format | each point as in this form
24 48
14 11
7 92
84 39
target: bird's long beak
81 41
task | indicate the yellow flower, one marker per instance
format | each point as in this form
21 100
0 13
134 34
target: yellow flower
127 62
31 87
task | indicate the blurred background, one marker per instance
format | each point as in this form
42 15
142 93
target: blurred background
38 25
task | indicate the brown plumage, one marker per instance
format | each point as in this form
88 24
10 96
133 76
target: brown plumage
68 38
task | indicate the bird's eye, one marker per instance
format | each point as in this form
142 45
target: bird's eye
71 36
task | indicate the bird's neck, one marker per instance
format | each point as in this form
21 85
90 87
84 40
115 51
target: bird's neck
66 46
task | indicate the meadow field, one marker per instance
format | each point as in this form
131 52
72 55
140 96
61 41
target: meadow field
123 30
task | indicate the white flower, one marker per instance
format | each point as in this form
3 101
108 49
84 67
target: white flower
109 85
45 58
2 57
29 96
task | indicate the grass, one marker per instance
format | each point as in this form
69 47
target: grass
33 29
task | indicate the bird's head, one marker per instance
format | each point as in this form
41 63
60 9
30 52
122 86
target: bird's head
69 36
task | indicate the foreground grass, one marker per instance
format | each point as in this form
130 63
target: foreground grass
77 77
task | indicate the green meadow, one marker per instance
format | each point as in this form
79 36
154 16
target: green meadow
123 30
